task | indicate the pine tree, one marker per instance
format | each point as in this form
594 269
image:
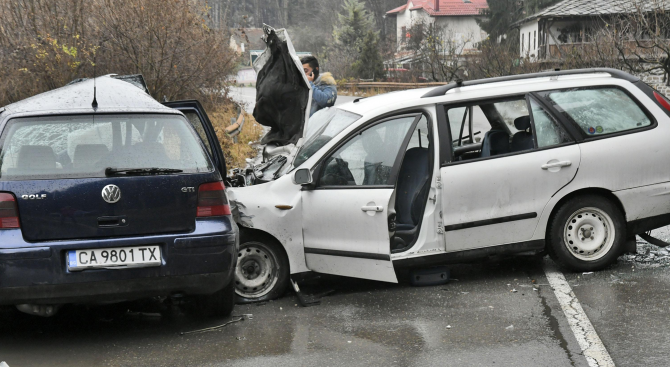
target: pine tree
369 64
353 25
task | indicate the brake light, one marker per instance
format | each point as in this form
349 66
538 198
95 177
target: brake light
9 215
212 200
664 102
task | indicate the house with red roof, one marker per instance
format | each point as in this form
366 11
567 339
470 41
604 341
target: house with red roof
457 18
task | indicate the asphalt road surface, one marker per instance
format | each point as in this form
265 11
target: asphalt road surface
496 313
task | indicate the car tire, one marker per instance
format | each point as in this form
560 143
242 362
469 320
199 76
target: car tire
219 303
262 271
586 233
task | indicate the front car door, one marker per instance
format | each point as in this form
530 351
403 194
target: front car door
346 214
494 195
198 118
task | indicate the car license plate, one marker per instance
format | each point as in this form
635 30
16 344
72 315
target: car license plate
119 257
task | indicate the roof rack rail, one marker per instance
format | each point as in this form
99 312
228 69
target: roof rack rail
442 90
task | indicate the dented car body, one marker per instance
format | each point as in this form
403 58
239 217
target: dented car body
568 162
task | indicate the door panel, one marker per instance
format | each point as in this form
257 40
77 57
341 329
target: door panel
345 219
498 201
343 239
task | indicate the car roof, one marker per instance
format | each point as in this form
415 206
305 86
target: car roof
362 105
492 86
113 96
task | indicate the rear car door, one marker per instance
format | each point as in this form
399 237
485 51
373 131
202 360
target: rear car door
346 215
198 118
497 196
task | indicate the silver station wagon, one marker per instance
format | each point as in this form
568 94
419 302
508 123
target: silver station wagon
573 163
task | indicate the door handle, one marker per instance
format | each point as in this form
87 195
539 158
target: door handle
372 208
556 164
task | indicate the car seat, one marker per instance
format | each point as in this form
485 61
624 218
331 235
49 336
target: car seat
87 155
495 142
411 195
36 157
522 140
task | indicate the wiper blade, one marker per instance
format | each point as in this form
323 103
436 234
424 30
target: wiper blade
109 171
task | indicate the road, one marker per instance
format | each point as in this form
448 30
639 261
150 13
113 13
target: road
501 313
246 96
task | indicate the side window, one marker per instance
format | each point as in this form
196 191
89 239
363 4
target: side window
599 111
547 131
195 121
367 158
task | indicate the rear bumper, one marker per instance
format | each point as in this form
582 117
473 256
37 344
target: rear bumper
200 262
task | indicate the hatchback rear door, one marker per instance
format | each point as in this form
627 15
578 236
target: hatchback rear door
96 176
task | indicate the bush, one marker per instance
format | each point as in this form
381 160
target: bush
45 44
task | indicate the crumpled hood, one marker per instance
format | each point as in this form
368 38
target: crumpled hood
283 94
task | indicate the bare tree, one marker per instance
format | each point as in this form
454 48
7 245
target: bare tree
641 36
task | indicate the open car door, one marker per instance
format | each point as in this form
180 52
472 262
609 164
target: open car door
349 214
198 118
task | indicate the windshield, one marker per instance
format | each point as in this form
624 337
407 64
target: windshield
322 127
85 146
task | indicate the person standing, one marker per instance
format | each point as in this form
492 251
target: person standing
324 87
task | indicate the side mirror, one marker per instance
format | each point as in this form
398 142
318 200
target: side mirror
303 176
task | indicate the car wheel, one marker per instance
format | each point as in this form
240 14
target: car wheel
262 272
219 304
587 233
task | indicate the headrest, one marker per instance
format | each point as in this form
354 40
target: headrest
522 123
86 155
36 157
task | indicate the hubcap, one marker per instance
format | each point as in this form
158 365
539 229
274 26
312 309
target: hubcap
256 271
589 234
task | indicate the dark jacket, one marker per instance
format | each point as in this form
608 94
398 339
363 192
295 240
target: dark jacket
324 92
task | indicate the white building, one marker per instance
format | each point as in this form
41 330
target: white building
457 17
570 25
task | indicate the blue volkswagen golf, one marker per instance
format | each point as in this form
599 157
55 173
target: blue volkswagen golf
107 195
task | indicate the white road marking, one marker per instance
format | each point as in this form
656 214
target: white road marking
593 348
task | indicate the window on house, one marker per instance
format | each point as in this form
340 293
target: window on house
529 41
522 43
534 40
404 34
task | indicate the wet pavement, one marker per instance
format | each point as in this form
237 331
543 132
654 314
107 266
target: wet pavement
490 314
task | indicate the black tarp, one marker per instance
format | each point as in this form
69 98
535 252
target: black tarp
281 95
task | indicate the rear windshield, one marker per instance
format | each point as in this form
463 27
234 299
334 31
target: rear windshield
84 146
322 127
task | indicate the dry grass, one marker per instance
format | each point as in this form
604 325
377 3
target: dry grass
236 154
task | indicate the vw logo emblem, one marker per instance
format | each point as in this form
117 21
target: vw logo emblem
111 194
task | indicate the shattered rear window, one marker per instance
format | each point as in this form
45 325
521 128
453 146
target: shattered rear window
84 146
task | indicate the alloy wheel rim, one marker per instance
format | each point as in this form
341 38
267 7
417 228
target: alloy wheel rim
256 272
589 234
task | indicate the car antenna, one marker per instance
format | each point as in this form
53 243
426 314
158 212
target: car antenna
94 104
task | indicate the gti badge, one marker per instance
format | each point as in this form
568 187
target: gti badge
111 194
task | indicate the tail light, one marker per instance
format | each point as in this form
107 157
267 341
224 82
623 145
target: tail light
662 100
9 215
212 200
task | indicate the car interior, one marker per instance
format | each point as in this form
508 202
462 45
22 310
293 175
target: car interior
413 187
490 128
